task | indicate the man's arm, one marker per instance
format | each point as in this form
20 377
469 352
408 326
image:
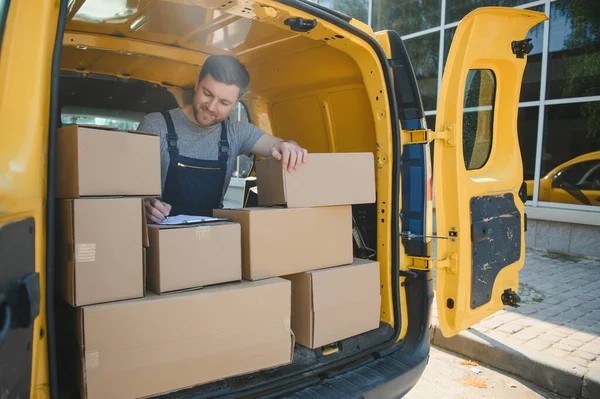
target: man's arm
156 210
291 155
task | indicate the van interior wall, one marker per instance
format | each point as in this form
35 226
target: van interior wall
316 97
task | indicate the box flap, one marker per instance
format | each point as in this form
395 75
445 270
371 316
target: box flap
153 260
271 182
339 286
302 309
145 241
112 128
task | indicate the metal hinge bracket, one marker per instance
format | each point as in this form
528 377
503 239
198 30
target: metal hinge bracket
427 264
450 263
425 135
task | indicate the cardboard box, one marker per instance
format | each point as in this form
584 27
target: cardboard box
325 180
329 305
164 343
280 241
99 251
182 257
99 161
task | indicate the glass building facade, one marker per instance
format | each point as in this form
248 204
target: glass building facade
559 110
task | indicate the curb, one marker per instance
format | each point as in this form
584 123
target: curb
562 377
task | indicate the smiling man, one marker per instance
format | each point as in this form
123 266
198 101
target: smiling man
199 144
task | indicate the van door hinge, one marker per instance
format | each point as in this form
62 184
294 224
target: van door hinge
426 135
450 263
428 264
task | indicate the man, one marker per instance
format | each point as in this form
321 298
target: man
199 144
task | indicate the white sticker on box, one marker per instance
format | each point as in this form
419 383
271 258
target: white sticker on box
92 360
202 233
85 252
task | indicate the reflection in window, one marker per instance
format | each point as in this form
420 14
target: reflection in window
570 145
424 54
357 9
478 117
457 9
448 36
527 126
392 15
102 11
574 58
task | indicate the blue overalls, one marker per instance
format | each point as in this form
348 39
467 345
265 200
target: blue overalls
194 186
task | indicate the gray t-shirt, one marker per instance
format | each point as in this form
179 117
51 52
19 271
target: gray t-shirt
201 143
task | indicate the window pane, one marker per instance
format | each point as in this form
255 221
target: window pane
571 138
457 9
424 55
530 88
574 58
358 9
448 37
3 15
392 15
527 126
478 117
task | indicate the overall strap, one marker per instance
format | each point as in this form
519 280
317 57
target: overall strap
223 143
171 135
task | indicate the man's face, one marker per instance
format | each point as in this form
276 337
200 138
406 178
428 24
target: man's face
213 100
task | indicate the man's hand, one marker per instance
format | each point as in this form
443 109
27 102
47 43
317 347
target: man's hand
291 155
156 210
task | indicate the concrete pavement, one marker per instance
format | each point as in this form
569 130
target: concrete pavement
451 376
553 338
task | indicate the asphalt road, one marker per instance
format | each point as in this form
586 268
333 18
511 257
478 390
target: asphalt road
450 376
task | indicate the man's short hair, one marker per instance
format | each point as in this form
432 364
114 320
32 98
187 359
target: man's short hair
226 69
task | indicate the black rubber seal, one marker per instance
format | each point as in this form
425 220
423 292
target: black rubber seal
50 202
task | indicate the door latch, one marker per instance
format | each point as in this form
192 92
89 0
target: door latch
521 47
511 298
300 24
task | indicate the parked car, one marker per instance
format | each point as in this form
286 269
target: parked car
576 181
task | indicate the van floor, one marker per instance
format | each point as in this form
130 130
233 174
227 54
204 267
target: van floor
304 360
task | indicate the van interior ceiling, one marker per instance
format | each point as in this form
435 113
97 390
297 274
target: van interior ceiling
145 57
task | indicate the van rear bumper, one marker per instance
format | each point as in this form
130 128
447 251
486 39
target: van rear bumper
390 376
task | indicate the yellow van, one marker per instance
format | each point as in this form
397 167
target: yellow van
318 77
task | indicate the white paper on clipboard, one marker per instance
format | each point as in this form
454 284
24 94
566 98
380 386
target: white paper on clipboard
188 219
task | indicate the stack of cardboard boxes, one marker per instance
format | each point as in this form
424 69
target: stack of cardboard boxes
309 242
137 343
197 322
